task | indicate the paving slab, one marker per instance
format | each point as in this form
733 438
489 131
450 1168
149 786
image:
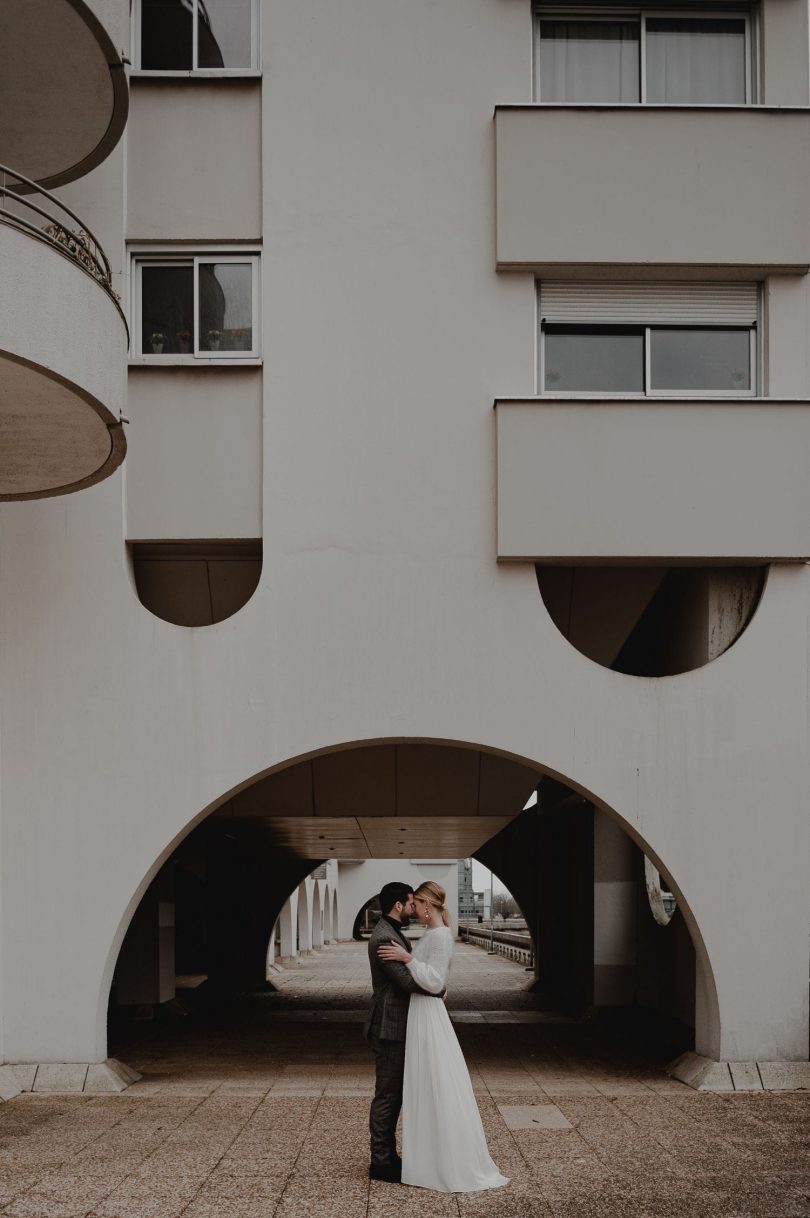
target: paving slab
256 1112
533 1116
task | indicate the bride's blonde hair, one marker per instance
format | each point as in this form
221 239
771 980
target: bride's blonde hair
434 893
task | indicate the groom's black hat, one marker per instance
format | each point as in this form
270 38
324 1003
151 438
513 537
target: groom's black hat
393 892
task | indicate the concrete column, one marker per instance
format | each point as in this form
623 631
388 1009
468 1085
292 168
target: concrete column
317 916
615 883
304 920
565 913
287 921
144 975
327 916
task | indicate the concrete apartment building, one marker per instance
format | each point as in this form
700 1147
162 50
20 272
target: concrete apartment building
448 441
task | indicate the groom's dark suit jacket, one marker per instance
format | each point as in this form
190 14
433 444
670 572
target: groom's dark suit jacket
392 984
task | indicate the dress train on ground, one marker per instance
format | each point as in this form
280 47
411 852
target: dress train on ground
443 1141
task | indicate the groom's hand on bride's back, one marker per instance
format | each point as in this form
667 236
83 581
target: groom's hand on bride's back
393 951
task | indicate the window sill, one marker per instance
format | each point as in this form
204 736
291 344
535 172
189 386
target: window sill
193 361
200 74
661 395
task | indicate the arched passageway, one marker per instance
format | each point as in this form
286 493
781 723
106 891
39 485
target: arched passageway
575 871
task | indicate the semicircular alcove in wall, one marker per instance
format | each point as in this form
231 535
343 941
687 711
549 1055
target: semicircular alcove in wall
651 621
196 583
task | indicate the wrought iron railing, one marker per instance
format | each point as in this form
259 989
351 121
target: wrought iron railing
62 228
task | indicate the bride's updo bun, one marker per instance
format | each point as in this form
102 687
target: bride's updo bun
434 893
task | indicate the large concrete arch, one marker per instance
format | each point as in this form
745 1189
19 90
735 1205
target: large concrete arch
707 1012
709 768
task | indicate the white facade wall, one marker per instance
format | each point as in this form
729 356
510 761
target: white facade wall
361 881
381 613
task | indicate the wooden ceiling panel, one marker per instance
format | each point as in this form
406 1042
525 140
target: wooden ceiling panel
356 782
505 786
318 837
436 780
429 836
285 793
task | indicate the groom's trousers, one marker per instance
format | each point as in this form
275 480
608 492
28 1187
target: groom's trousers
387 1102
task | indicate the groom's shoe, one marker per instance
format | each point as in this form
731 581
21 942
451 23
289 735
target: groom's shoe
392 1172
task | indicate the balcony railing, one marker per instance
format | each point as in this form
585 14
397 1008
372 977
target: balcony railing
52 222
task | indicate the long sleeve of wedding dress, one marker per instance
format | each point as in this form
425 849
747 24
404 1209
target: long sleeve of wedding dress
431 972
443 1142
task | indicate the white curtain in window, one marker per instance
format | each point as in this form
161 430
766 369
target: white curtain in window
589 61
696 61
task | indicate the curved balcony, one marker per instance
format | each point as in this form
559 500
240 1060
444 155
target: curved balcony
63 84
62 350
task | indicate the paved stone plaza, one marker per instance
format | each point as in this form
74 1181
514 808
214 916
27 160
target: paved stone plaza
262 1113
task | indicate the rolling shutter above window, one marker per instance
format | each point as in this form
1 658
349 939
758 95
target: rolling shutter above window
689 304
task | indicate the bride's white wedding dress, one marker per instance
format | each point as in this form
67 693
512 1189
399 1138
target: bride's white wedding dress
443 1143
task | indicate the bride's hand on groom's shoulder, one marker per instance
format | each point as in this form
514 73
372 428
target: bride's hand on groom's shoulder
393 951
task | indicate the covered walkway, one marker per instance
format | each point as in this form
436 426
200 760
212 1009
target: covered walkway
261 1112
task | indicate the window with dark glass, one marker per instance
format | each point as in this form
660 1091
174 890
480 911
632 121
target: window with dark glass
589 60
198 306
690 58
648 359
167 308
696 60
192 35
594 359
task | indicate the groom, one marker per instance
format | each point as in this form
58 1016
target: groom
385 1029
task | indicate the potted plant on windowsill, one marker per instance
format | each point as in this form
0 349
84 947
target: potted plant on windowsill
214 339
184 341
156 342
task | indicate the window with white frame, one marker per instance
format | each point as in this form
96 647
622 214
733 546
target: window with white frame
195 35
677 339
195 306
670 57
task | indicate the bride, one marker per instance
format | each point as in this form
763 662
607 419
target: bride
443 1143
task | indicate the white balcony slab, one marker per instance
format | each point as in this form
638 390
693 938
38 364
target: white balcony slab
653 480
61 62
62 372
663 189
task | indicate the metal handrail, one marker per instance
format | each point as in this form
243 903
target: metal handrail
79 243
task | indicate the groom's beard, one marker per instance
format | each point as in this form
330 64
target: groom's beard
405 920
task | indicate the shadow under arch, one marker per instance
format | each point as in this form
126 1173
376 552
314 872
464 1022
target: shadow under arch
305 839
